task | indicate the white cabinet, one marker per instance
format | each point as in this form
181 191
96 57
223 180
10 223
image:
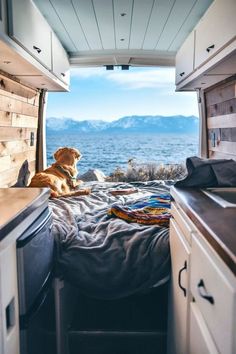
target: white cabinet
208 54
9 325
203 321
213 290
184 59
200 340
2 16
60 62
179 293
29 29
215 30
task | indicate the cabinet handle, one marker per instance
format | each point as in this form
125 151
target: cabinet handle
202 292
179 278
63 74
210 47
37 49
182 74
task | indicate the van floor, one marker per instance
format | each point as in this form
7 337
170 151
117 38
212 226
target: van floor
133 325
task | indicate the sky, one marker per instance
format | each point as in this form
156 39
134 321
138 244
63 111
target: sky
99 94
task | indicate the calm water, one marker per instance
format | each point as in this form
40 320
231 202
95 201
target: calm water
106 151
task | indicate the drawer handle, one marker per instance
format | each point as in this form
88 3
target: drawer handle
179 278
202 292
37 49
182 74
210 48
63 74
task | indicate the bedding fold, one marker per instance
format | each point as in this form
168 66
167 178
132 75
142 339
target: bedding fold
109 257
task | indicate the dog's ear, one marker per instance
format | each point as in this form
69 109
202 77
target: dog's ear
58 153
77 154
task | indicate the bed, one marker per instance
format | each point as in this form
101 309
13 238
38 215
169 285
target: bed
105 256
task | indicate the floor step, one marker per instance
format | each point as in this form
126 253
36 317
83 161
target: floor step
117 342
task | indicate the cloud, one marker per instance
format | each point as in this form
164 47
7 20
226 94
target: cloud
134 79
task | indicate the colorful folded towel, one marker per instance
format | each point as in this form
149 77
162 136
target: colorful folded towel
151 210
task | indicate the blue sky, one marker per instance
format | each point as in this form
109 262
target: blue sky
108 95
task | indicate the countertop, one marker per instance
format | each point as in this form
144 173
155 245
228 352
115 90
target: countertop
216 224
18 203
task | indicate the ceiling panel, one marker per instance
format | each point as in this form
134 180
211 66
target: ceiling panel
139 22
159 16
105 18
197 11
122 19
51 16
85 12
66 12
117 28
179 13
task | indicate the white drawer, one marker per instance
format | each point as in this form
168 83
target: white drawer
200 340
182 220
214 287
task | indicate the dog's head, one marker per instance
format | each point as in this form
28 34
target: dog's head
67 156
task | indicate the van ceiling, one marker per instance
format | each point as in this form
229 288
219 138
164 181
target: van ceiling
134 32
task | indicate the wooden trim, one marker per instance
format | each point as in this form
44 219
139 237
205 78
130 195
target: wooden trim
41 158
203 147
220 155
226 107
227 147
221 93
10 104
9 177
224 121
14 87
15 146
11 133
23 121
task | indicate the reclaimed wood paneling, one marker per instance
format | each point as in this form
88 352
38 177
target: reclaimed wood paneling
19 107
221 93
224 121
221 120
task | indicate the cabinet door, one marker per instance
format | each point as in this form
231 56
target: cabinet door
9 324
29 29
214 289
200 338
60 62
215 30
179 291
184 59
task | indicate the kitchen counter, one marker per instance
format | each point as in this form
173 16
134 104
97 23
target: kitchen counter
217 224
16 204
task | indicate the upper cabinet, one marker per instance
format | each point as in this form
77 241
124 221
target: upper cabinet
60 62
184 59
208 55
29 29
215 30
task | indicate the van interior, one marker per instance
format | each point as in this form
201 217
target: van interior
169 288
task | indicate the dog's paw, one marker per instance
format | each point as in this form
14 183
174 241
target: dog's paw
85 191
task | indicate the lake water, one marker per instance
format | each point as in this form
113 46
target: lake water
108 151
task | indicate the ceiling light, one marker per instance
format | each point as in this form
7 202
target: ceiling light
109 67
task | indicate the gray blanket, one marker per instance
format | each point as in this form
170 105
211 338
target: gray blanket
109 257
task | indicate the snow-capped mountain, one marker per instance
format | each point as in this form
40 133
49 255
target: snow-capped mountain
157 124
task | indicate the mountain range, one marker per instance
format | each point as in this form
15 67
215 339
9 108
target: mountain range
136 124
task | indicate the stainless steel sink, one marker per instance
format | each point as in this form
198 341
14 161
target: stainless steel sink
225 197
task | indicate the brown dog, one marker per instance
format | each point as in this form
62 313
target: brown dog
61 176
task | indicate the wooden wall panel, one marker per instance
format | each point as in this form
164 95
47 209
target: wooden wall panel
19 107
221 120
